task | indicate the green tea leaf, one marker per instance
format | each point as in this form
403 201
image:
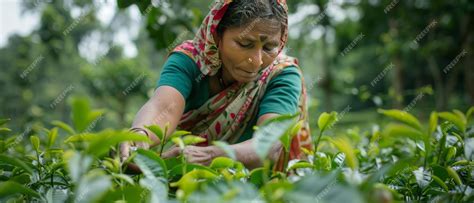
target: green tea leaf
221 162
80 113
433 123
128 193
270 132
256 176
178 141
123 177
326 120
322 161
91 187
9 188
159 191
190 181
100 143
177 170
451 153
179 133
5 130
403 117
454 175
288 136
155 129
470 113
16 162
52 135
56 195
4 120
64 126
460 115
124 3
35 141
455 119
344 145
440 182
301 164
192 139
398 130
150 163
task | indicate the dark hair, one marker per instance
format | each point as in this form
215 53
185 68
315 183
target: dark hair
242 12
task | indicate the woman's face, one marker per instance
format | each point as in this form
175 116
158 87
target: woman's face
245 50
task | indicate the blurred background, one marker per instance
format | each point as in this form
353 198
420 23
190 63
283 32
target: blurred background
357 55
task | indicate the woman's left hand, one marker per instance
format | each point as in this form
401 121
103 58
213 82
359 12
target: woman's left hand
195 154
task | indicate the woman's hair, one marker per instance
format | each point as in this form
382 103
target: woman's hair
243 12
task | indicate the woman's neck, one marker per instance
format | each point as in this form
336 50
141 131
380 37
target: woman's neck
227 78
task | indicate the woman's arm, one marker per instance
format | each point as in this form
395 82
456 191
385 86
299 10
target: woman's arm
166 105
245 151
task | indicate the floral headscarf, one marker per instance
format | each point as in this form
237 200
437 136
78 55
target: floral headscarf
204 48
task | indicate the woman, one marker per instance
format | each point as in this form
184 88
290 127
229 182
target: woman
229 78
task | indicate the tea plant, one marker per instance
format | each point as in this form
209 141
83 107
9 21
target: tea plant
401 161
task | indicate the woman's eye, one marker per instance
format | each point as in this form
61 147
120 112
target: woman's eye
272 48
245 45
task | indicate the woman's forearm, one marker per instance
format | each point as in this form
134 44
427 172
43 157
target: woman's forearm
166 106
245 153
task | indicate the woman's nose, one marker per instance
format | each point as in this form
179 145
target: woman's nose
256 60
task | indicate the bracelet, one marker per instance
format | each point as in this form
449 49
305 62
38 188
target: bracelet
140 130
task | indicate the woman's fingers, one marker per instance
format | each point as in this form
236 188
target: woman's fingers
142 145
199 155
124 151
173 152
193 154
127 147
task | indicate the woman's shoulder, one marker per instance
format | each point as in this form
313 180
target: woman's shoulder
180 72
290 74
183 62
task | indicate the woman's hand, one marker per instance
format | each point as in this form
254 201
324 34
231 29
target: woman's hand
126 148
195 154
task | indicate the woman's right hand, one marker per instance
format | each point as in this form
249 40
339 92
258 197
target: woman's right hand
125 150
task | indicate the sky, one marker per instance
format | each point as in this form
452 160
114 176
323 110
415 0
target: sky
12 20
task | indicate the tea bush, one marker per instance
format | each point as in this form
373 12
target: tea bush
404 160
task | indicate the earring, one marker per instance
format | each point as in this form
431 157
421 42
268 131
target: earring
250 60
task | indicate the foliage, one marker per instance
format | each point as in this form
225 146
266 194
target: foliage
408 162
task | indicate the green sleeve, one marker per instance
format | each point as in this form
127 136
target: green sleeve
283 93
179 71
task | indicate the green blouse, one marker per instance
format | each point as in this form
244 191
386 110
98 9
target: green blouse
281 96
